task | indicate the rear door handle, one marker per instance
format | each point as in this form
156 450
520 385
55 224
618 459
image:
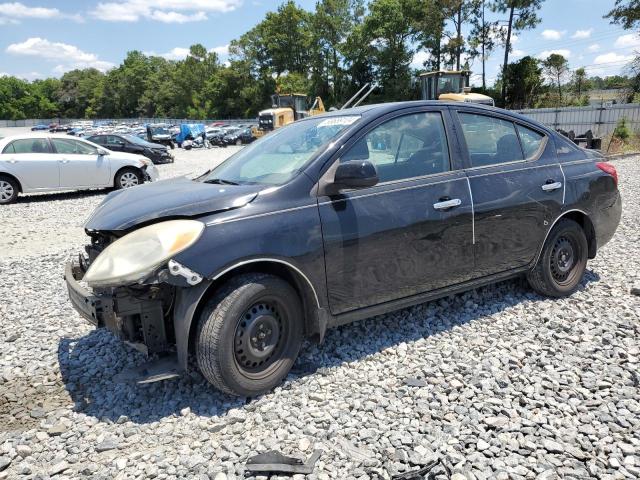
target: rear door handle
64 161
549 187
12 161
447 204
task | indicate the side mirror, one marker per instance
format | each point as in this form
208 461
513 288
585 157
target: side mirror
355 174
102 152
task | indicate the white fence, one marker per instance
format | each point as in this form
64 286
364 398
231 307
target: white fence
600 120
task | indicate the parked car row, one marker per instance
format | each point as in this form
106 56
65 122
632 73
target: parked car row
44 162
157 153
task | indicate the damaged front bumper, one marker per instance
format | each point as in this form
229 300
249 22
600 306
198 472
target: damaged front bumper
139 315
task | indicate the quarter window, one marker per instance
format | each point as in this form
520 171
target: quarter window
28 145
530 140
73 147
406 147
490 140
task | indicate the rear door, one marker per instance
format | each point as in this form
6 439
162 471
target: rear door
398 238
517 187
32 162
80 164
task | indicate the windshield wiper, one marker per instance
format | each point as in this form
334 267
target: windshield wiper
220 181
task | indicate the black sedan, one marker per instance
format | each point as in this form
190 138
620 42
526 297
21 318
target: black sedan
155 152
240 136
336 218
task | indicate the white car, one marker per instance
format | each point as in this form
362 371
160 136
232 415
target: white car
47 163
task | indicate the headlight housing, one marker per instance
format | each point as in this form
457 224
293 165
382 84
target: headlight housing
136 255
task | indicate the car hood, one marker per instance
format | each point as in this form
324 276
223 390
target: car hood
173 198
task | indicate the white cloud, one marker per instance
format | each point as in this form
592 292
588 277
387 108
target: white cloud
560 51
630 40
175 17
553 34
612 57
8 21
594 48
69 56
580 34
12 11
222 50
166 11
517 53
177 53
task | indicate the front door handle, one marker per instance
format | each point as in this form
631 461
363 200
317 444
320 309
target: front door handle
549 187
447 204
64 161
12 161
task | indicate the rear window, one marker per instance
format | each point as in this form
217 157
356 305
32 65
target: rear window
566 150
530 140
28 145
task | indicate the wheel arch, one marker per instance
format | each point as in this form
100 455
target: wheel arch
315 317
14 178
582 219
125 167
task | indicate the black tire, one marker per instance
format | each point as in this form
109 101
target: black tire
229 353
562 262
9 190
125 178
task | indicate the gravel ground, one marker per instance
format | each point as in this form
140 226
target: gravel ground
515 386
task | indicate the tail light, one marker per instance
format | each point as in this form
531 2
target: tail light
610 169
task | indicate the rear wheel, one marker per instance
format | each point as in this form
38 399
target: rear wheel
127 178
8 190
562 262
249 334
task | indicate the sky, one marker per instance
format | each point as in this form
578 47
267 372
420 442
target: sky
44 38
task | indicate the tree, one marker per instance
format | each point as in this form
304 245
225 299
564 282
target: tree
522 16
387 30
483 35
579 81
556 67
625 13
522 82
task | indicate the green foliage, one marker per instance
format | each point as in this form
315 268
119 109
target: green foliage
622 130
522 83
556 67
625 13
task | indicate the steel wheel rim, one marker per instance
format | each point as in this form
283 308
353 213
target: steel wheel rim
259 338
128 180
564 256
6 190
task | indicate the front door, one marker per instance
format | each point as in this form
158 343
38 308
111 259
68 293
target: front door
80 164
409 234
517 188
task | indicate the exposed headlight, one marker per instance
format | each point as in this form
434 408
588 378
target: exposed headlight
136 255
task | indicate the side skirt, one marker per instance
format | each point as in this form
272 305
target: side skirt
401 303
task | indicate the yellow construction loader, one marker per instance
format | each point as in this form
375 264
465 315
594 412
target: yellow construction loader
286 108
451 86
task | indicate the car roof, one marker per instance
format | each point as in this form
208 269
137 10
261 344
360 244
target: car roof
382 108
25 136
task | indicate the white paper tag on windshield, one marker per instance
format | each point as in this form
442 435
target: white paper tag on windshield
330 122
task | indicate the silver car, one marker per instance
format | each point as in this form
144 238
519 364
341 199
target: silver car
46 163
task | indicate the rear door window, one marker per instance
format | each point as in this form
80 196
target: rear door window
490 140
28 145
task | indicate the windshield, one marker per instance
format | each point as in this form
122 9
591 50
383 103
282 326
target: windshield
280 155
450 84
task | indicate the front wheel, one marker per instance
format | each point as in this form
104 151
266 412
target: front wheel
249 334
562 262
127 178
